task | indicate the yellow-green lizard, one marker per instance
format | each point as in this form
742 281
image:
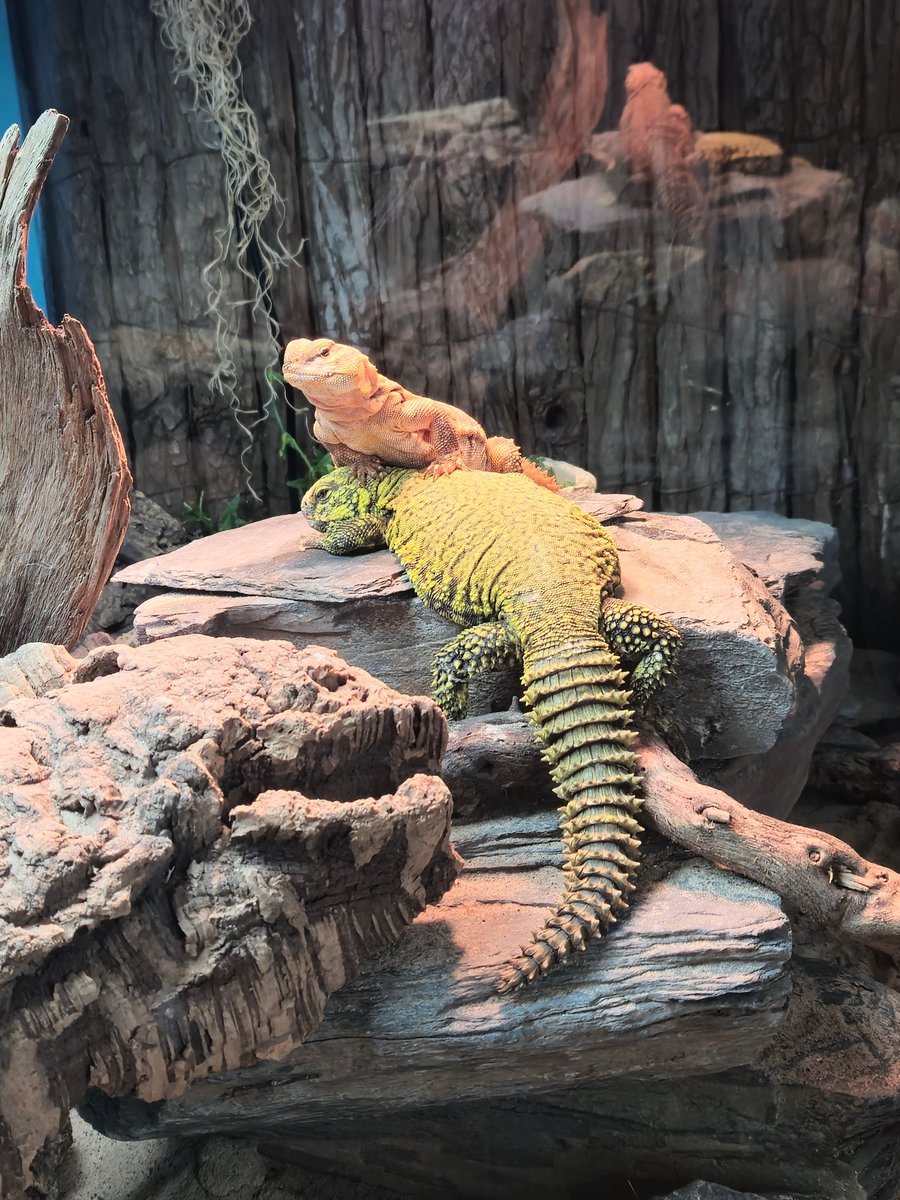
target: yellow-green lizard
533 578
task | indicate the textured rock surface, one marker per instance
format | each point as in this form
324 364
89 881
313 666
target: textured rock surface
167 908
786 553
740 674
33 669
694 981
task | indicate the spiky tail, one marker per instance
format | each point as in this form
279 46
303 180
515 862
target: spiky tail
504 455
582 717
539 475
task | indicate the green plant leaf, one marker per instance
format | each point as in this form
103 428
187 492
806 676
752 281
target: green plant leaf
195 514
289 442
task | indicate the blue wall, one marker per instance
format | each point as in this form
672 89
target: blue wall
11 114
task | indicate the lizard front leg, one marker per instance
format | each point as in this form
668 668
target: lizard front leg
475 651
449 454
364 467
454 439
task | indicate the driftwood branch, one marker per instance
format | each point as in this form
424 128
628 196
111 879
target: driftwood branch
816 874
64 503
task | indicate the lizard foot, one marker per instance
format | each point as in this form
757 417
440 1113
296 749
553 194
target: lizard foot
636 633
445 466
365 471
474 651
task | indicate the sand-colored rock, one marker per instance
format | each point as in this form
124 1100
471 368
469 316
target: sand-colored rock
740 675
171 904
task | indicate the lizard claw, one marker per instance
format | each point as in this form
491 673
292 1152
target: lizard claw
365 472
445 466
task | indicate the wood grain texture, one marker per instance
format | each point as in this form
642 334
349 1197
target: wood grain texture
745 370
64 500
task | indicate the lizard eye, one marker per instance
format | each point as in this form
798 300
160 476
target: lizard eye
324 353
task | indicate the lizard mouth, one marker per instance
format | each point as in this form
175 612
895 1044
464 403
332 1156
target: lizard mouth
296 376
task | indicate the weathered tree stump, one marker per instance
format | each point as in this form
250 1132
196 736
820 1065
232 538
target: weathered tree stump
170 904
64 501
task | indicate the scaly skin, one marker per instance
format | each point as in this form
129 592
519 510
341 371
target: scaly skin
366 421
533 578
659 143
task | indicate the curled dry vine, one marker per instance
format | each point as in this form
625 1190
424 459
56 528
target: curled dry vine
204 36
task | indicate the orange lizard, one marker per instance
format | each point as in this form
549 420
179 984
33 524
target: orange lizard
659 143
366 421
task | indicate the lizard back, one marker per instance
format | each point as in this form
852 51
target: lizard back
532 579
475 544
478 547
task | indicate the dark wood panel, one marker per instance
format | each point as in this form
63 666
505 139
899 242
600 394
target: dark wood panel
750 363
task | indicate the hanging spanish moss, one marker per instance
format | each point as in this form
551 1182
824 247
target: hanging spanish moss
204 36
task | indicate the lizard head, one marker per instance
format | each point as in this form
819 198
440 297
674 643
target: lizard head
330 373
644 75
348 514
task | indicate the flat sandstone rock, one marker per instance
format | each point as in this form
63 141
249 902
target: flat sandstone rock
171 904
740 676
694 980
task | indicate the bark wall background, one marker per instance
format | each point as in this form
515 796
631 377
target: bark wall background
755 365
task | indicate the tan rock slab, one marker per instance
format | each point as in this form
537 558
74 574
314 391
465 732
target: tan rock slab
739 672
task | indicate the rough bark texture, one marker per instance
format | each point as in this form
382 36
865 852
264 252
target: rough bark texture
64 498
753 365
167 908
748 684
816 874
